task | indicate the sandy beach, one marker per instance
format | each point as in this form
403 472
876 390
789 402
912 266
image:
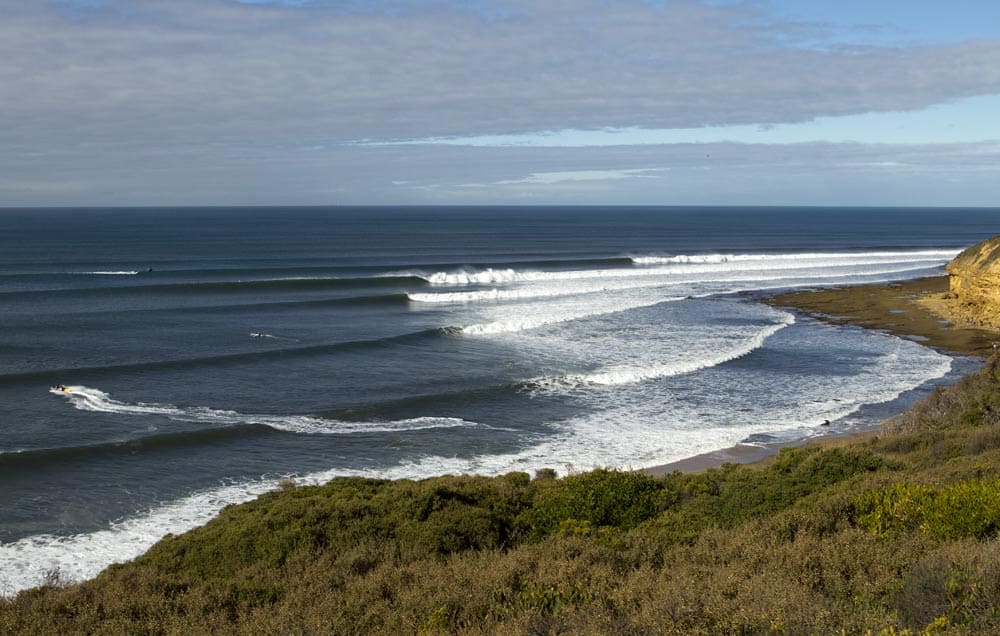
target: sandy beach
916 309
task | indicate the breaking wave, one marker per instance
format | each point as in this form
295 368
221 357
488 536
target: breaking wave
121 273
578 311
621 374
707 264
825 256
91 399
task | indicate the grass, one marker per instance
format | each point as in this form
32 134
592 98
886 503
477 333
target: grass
896 534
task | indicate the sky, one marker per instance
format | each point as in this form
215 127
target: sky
476 102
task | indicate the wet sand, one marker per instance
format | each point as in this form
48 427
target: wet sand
916 309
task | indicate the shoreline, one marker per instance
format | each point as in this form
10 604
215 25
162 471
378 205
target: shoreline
914 309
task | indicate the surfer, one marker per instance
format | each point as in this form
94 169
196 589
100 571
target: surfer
256 334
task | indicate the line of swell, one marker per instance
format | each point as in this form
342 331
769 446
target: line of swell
383 300
653 278
494 294
441 402
285 271
665 266
263 278
254 424
218 287
150 443
59 375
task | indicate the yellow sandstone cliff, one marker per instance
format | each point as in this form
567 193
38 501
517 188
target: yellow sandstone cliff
974 281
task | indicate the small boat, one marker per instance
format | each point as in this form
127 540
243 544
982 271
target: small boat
60 388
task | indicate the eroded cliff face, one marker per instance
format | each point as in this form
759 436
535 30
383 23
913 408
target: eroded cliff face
974 280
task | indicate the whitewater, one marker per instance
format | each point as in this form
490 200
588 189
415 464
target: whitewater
408 343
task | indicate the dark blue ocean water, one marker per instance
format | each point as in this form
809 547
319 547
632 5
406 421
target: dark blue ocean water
209 352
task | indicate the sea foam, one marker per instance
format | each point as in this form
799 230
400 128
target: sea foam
91 399
622 374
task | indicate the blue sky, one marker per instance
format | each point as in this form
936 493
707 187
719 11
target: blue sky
658 102
892 22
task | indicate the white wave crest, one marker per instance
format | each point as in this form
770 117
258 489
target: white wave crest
529 293
576 312
109 273
754 280
621 374
706 266
743 258
482 277
474 296
90 399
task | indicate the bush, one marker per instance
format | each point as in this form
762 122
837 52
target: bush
733 494
958 585
599 498
965 509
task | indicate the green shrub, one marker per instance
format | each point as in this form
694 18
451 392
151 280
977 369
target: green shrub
965 509
452 527
733 494
895 508
599 498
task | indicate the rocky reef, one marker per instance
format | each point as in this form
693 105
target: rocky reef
974 283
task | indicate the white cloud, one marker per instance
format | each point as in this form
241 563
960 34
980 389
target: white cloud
580 175
216 100
189 70
969 120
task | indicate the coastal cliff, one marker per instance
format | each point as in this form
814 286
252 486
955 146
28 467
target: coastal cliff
974 283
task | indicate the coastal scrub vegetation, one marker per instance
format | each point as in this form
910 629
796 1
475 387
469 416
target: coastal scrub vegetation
892 534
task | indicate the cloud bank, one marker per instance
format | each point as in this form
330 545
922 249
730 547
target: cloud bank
116 96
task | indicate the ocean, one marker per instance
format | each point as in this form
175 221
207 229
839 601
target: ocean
209 353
